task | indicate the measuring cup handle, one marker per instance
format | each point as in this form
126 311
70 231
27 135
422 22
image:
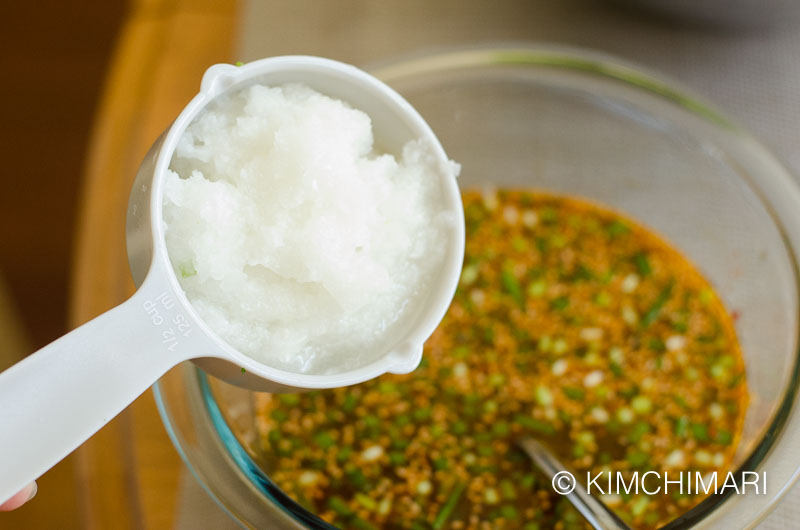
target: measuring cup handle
55 399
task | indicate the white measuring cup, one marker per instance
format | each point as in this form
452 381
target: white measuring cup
56 398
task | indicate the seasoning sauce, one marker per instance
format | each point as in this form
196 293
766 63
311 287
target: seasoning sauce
572 324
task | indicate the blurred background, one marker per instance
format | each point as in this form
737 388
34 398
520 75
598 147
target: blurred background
54 59
89 84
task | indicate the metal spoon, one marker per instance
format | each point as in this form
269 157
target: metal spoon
596 513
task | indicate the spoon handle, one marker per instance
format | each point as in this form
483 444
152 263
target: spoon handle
56 398
595 512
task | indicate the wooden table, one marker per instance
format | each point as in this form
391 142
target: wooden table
128 472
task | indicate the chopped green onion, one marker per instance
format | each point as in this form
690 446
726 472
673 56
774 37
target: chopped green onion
441 464
682 426
680 326
469 274
385 506
602 299
537 288
422 414
617 228
512 287
290 400
459 427
365 501
324 440
558 241
500 428
655 309
274 436
637 458
279 415
344 454
508 490
361 524
723 437
338 505
582 272
496 380
508 512
543 396
387 387
449 506
187 270
560 303
639 430
573 393
700 432
706 296
357 478
642 264
641 404
528 481
616 369
639 506
535 425
548 215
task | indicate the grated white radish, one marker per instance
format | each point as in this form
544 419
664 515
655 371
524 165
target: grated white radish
293 239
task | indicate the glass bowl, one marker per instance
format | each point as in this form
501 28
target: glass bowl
583 124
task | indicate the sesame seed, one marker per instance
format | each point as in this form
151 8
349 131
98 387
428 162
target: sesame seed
674 459
592 379
591 334
630 283
629 315
491 496
424 487
460 370
490 199
372 453
600 414
477 296
307 478
675 343
529 218
510 215
559 367
625 415
702 457
611 499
